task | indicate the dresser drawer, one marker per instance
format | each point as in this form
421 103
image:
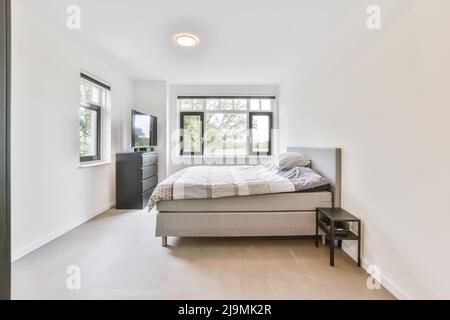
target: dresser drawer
149 160
148 172
149 183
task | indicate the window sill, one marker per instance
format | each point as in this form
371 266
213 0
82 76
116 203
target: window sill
93 164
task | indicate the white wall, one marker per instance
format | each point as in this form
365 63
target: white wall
151 97
384 98
50 194
177 162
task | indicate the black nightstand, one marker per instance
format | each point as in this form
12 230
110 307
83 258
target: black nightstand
327 219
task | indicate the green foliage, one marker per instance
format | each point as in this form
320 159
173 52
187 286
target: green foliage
226 134
192 134
86 132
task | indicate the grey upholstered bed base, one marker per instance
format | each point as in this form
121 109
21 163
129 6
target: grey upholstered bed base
234 223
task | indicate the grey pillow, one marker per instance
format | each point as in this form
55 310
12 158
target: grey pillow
289 160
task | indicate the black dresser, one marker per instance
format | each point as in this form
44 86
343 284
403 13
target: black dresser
136 178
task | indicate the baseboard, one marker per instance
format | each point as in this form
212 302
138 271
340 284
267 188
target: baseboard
390 285
21 252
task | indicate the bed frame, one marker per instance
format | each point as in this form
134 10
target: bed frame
326 161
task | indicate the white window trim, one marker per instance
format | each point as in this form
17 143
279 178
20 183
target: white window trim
96 163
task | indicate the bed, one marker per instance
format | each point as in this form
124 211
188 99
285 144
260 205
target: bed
274 214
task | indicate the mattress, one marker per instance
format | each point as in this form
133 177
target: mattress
213 182
293 201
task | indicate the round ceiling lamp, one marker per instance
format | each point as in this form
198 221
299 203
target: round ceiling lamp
186 40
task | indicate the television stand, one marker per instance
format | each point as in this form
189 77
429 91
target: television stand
136 178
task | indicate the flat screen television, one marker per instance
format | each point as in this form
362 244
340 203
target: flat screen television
143 130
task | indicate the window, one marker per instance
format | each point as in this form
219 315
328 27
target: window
260 128
94 97
90 126
225 126
192 126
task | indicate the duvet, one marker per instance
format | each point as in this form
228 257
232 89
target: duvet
207 182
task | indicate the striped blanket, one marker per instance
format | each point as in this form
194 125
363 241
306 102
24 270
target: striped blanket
207 182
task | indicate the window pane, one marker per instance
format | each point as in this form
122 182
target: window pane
82 90
226 104
197 104
88 132
240 104
95 95
260 133
226 134
212 104
103 100
186 104
91 93
266 104
254 104
88 91
192 134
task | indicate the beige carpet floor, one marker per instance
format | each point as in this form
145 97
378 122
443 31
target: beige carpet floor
120 258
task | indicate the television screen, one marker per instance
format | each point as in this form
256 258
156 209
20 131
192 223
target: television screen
143 130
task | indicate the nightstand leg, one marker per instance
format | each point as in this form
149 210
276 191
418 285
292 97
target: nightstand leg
317 228
164 241
332 244
359 243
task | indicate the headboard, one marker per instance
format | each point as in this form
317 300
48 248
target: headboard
327 162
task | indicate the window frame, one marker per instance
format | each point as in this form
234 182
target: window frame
201 114
249 112
102 109
250 133
98 110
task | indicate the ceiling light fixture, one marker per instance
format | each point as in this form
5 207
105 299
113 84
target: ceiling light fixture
186 40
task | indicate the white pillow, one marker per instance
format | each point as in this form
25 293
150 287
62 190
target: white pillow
289 160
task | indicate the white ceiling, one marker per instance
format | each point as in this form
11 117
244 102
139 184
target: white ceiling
241 41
